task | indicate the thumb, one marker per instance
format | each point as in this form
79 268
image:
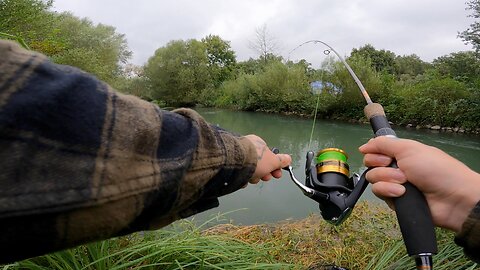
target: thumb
389 146
284 161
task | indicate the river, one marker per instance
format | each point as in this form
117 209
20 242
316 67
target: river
279 200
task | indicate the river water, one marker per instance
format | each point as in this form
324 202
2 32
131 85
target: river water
278 200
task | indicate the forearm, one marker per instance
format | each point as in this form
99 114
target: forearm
80 162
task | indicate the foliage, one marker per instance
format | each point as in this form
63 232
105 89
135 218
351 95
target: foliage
461 66
29 19
277 89
97 49
221 59
178 72
191 72
94 48
410 66
472 34
437 100
381 60
350 102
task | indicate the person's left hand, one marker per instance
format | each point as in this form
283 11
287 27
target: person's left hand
269 164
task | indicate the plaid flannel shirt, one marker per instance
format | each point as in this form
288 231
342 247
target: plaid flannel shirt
80 162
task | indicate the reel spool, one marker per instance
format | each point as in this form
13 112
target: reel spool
328 182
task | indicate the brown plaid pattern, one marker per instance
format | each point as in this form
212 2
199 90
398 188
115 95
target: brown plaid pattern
80 162
469 237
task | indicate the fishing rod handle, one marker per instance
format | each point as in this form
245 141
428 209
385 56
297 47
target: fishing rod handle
413 213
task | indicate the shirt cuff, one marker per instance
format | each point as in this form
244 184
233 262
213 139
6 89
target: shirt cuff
469 236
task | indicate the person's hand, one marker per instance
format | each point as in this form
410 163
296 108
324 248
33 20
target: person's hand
269 164
450 187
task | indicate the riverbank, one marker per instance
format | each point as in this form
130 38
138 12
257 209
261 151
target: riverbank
368 240
432 127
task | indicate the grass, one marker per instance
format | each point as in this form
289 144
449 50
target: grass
369 239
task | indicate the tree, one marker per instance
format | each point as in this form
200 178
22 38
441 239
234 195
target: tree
410 66
31 21
66 39
350 102
221 59
178 72
472 34
97 49
461 66
264 44
381 60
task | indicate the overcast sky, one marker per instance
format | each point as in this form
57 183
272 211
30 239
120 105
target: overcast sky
427 28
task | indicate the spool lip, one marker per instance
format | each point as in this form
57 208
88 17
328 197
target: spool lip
332 149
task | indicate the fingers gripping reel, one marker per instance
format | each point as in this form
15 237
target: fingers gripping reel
328 183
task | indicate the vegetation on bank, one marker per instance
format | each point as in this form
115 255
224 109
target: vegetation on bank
369 239
445 92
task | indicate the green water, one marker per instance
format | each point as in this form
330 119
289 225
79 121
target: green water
280 199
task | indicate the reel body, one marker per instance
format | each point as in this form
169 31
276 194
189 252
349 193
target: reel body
328 182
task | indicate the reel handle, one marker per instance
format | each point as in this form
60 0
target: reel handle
412 210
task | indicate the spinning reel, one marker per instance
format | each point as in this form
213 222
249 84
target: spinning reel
328 182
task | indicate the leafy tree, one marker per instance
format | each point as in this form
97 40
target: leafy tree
97 49
32 21
178 72
381 60
251 66
350 102
462 66
410 65
221 59
472 34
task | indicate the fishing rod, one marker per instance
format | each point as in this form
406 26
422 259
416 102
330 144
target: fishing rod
328 183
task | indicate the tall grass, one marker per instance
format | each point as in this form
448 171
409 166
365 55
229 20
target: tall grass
182 246
369 240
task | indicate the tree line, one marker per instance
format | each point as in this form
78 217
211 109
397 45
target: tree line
443 92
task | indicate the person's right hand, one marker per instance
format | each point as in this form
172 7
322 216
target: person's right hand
450 187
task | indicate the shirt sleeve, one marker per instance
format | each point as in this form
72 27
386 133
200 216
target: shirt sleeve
469 236
80 162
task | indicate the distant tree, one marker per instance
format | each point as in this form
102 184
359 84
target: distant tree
472 34
382 60
410 65
221 58
178 72
264 44
461 66
254 66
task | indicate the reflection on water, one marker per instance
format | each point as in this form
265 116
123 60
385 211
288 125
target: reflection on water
281 199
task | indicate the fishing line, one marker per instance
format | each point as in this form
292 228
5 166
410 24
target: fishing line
326 52
314 120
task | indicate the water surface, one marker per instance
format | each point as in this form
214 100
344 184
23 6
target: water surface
281 199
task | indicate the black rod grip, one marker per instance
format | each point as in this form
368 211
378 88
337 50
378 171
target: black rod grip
412 210
415 220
